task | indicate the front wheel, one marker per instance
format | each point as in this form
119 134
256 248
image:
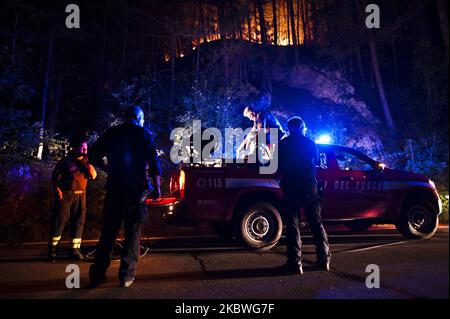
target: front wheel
260 226
418 220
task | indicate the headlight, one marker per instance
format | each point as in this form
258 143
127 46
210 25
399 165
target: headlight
432 183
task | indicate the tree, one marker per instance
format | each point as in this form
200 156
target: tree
442 9
45 97
380 85
262 22
275 22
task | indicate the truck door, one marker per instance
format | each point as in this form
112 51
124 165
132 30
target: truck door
324 178
355 188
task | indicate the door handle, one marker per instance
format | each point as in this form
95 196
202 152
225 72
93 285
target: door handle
346 178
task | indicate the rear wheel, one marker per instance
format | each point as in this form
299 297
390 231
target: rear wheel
418 220
260 226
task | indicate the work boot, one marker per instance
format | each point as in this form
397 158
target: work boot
75 254
127 283
52 252
323 265
290 268
95 278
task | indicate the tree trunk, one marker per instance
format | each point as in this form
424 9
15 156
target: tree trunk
220 12
429 103
197 63
45 97
288 25
14 36
275 22
314 21
225 61
104 107
249 27
394 58
58 90
362 74
441 6
292 20
303 17
255 15
262 23
124 46
202 22
307 16
379 82
172 69
294 37
297 23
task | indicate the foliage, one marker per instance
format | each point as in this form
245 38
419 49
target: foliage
220 108
15 86
443 218
27 201
17 137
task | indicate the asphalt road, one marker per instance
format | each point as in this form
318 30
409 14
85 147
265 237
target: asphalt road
205 267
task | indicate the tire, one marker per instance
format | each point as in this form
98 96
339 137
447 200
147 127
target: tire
358 225
260 226
418 221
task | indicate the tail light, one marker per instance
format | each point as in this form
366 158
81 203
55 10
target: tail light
182 183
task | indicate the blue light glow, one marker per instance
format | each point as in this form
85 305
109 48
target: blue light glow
324 139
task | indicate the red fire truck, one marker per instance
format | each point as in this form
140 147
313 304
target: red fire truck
358 192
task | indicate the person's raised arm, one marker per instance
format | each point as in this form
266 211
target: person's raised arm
92 171
154 165
97 151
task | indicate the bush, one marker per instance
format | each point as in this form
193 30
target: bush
443 218
27 202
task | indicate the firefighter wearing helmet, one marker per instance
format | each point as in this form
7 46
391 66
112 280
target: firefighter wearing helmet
298 157
70 178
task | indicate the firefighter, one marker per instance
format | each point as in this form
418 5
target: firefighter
131 158
298 157
70 178
262 120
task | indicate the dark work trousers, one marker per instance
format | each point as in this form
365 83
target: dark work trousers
119 207
70 210
295 197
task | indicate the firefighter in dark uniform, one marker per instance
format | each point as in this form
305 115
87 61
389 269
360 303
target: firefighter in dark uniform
262 121
298 157
131 159
70 178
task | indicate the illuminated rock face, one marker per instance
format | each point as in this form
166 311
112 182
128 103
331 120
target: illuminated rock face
329 86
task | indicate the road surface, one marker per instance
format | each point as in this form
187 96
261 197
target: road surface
191 267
